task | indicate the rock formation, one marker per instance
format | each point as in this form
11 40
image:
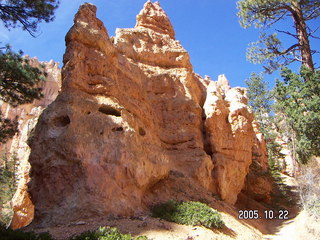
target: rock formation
259 183
229 136
132 113
27 117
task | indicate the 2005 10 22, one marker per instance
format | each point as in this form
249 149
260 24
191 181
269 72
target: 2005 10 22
267 214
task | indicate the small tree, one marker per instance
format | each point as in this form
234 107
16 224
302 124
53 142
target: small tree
299 101
8 184
259 99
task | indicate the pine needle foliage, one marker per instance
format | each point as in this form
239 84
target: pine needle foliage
18 85
269 49
8 185
298 98
27 14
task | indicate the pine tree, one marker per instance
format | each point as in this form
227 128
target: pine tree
259 99
296 96
299 101
18 78
264 14
27 14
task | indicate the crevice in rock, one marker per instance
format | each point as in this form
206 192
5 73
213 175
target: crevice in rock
176 173
61 121
117 129
108 110
142 132
173 143
205 136
226 148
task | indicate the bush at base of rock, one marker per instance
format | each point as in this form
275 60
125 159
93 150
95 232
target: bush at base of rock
9 234
106 233
188 213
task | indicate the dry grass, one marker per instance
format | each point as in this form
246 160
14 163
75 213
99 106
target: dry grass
309 184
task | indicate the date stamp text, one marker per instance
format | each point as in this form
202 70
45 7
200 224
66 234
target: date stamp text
266 214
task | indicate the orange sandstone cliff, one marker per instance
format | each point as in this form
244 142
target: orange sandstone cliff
132 114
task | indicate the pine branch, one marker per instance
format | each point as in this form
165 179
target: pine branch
312 32
310 16
288 33
290 49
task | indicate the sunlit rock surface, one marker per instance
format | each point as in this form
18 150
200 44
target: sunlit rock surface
131 114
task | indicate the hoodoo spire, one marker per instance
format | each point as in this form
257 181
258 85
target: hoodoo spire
152 16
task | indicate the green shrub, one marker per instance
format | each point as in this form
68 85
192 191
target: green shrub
188 213
106 233
8 186
9 234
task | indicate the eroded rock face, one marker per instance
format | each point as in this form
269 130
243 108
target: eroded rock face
153 17
27 117
230 134
259 183
129 115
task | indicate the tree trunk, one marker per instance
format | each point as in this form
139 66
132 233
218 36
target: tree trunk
303 37
294 152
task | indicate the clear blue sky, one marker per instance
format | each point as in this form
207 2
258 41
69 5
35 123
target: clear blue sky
207 29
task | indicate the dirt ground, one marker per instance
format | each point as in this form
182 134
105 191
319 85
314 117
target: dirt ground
157 229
